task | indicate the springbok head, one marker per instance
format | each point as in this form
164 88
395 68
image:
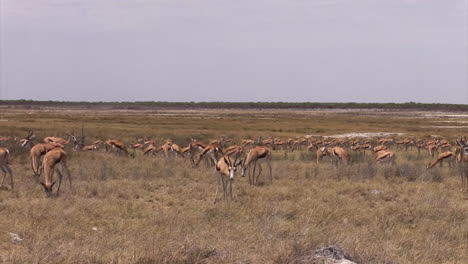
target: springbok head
48 189
463 145
232 166
72 138
324 150
429 165
29 138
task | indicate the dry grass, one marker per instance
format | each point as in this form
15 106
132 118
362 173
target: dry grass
149 210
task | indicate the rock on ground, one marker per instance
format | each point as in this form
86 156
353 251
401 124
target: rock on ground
324 255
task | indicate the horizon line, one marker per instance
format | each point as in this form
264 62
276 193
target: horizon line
223 102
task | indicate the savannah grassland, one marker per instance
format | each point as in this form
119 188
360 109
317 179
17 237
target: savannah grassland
150 210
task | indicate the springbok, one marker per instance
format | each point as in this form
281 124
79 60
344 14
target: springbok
227 170
51 159
407 143
136 146
178 150
265 142
379 148
256 154
192 148
440 158
4 155
151 148
71 138
220 142
212 151
323 152
384 155
339 154
386 141
246 142
37 151
463 158
92 147
166 148
432 148
116 144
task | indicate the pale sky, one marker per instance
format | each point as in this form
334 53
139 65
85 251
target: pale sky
234 50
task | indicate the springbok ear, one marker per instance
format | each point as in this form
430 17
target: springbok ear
238 163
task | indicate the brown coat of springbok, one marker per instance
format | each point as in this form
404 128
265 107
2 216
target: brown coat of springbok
4 155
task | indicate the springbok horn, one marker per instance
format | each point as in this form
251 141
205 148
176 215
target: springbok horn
227 161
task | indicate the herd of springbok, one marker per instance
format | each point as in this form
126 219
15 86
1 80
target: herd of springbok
226 156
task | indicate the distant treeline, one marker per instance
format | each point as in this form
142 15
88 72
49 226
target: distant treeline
148 105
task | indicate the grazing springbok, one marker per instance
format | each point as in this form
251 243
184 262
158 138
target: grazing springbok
256 154
4 155
432 148
235 149
151 148
227 171
384 155
219 142
379 148
185 152
246 142
192 149
323 152
311 146
265 142
166 148
341 154
213 151
51 159
463 158
71 138
136 146
440 158
37 151
386 141
407 143
338 154
116 144
92 147
178 150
